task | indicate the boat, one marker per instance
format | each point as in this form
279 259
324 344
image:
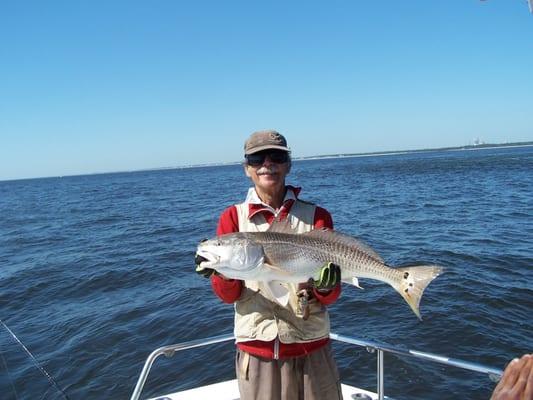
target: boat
228 390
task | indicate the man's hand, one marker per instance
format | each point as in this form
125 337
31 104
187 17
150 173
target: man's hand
329 276
205 272
517 380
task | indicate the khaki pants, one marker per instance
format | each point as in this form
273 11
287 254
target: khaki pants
311 377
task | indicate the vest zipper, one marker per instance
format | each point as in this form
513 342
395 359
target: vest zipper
276 348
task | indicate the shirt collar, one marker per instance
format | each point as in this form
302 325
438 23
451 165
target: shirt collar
254 202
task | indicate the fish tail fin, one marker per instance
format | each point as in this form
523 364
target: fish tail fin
414 280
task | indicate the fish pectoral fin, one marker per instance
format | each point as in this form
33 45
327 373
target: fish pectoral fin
279 291
353 281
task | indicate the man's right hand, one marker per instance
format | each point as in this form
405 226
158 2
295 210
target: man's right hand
205 272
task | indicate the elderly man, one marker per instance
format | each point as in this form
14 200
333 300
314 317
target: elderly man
283 353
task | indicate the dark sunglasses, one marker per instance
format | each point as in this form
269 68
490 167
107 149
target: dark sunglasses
277 157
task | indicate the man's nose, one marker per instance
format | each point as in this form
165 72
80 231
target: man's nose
267 161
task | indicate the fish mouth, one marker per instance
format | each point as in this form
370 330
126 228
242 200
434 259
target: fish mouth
204 258
198 260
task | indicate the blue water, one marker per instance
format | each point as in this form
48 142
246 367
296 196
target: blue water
97 271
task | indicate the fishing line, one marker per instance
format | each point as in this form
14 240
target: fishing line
43 371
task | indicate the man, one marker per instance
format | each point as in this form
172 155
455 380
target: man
283 352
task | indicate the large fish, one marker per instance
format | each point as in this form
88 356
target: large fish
282 255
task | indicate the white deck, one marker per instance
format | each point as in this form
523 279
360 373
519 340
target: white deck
229 390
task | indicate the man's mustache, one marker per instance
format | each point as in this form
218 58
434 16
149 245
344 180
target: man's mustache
265 170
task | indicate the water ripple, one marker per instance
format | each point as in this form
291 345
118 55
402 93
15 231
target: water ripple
97 271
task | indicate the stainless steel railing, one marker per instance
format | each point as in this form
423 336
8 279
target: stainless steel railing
372 347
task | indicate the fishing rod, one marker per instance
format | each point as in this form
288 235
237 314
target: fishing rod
39 366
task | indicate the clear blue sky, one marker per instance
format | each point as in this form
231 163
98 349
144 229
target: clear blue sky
94 86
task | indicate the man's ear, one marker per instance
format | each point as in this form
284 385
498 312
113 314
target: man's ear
245 166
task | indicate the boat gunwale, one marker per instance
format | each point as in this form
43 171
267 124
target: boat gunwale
371 346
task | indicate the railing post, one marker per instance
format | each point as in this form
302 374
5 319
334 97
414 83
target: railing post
381 383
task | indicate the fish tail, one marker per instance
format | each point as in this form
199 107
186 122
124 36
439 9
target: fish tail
413 281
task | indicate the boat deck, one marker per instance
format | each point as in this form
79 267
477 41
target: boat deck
229 390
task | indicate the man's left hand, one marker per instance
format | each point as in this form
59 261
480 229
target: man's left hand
329 276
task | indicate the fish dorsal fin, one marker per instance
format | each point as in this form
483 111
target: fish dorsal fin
281 226
331 235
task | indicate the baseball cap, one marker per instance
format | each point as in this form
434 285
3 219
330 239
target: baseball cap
264 140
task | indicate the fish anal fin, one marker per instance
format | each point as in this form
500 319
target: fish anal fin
352 280
279 291
355 282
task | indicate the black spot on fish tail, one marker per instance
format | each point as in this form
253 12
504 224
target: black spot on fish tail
406 275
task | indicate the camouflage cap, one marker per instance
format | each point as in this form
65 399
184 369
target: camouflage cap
264 140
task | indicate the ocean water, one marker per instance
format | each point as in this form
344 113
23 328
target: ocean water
97 271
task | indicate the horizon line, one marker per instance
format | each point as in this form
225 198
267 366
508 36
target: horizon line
480 146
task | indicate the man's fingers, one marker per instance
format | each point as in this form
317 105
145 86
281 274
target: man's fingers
329 276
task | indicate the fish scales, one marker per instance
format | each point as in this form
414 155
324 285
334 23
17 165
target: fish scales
289 249
282 255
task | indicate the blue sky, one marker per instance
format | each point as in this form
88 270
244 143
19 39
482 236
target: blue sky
95 86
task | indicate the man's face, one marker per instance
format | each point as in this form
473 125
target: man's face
268 169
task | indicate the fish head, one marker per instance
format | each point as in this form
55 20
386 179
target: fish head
234 255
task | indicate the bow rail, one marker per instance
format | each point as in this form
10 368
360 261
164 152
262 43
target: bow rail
372 347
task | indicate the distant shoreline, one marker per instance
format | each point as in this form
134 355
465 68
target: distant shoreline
370 154
394 152
307 158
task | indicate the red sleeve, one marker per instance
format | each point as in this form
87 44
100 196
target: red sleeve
323 220
328 297
228 221
228 290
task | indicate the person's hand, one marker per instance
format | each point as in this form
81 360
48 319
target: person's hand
517 380
205 272
329 276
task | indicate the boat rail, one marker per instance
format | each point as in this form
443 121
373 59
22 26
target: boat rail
372 347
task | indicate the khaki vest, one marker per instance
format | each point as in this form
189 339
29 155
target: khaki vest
260 317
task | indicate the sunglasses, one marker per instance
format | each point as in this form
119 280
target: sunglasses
277 157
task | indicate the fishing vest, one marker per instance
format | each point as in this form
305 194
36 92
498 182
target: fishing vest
258 316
